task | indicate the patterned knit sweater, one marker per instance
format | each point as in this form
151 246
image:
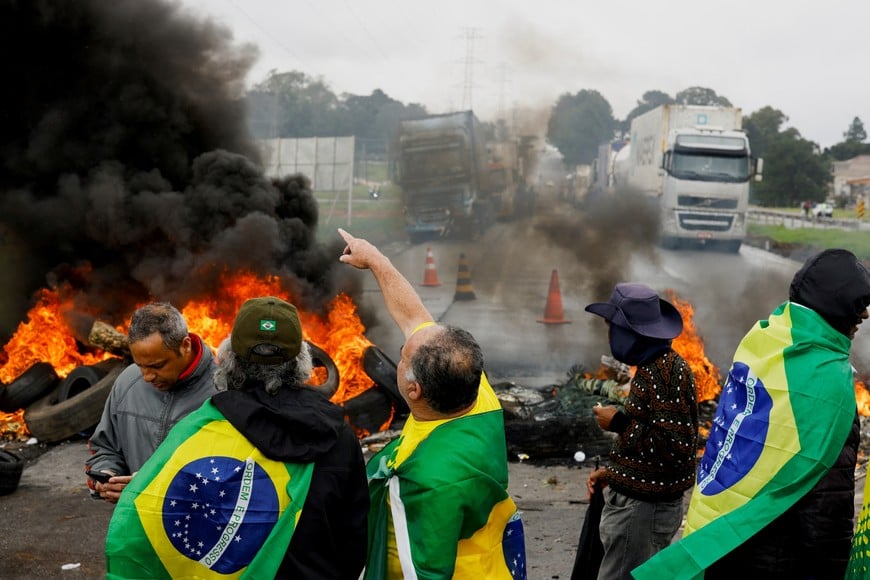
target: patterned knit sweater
654 457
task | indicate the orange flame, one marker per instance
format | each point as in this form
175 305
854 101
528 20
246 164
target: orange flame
862 398
690 346
12 426
46 336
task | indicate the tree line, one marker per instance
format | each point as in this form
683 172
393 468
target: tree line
295 105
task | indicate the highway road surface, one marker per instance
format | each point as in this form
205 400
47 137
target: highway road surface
511 269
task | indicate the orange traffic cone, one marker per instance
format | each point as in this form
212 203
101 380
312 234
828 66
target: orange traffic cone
553 313
430 275
464 290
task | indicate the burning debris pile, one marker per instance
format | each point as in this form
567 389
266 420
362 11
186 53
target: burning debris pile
129 176
128 172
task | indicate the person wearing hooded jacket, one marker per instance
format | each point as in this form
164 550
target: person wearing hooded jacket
812 538
266 480
653 459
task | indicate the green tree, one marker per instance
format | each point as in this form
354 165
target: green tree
374 118
649 101
763 127
794 171
856 132
853 144
578 124
701 96
292 104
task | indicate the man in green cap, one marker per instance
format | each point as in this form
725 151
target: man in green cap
265 480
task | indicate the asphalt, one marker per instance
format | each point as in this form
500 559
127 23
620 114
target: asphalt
54 530
51 522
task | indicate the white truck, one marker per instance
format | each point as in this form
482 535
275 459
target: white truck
695 161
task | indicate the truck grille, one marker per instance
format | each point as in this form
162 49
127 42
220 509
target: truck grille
706 202
705 221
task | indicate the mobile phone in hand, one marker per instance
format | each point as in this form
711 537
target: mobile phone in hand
100 476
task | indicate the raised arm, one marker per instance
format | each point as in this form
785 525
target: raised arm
402 301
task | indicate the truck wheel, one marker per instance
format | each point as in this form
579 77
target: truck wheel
33 384
11 468
52 418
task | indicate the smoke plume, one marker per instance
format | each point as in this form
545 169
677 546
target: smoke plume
128 170
604 237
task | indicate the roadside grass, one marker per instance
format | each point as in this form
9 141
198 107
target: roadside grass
378 220
839 213
371 171
857 241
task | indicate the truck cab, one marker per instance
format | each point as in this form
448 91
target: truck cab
706 186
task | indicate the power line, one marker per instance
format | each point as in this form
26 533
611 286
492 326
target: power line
283 46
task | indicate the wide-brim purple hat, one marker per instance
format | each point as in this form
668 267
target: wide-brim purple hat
637 307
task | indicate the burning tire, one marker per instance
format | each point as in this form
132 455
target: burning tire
11 468
382 371
76 405
32 385
323 360
79 380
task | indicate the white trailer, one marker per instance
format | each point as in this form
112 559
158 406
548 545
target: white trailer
695 161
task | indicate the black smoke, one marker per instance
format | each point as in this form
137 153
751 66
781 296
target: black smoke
125 151
603 237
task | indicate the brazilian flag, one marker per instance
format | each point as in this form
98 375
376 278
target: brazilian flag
207 504
782 420
446 502
859 559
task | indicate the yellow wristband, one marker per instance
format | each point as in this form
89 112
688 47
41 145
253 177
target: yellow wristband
421 327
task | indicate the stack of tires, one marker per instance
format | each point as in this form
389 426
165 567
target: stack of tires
54 409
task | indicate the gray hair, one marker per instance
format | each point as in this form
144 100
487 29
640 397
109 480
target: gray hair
162 318
234 372
448 368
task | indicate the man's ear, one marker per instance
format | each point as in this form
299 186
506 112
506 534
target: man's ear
415 391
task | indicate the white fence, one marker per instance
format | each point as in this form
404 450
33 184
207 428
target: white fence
326 161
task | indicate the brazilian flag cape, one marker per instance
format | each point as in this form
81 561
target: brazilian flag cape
448 500
859 559
782 420
207 504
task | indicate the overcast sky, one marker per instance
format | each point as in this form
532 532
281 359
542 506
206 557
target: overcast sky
807 59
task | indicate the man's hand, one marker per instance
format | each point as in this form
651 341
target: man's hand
596 482
359 253
111 491
604 415
402 301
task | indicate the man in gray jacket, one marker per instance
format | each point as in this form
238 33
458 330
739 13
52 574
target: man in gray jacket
171 375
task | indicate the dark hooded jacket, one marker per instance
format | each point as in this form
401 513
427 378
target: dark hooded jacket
299 425
812 539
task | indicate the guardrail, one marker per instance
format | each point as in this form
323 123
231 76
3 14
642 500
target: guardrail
797 220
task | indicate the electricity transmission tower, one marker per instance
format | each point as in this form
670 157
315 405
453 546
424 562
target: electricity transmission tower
470 35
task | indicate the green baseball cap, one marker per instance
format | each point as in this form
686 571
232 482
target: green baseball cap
267 331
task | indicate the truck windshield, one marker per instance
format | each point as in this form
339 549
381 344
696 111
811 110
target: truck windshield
707 167
434 161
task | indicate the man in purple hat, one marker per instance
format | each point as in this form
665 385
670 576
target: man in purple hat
652 462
